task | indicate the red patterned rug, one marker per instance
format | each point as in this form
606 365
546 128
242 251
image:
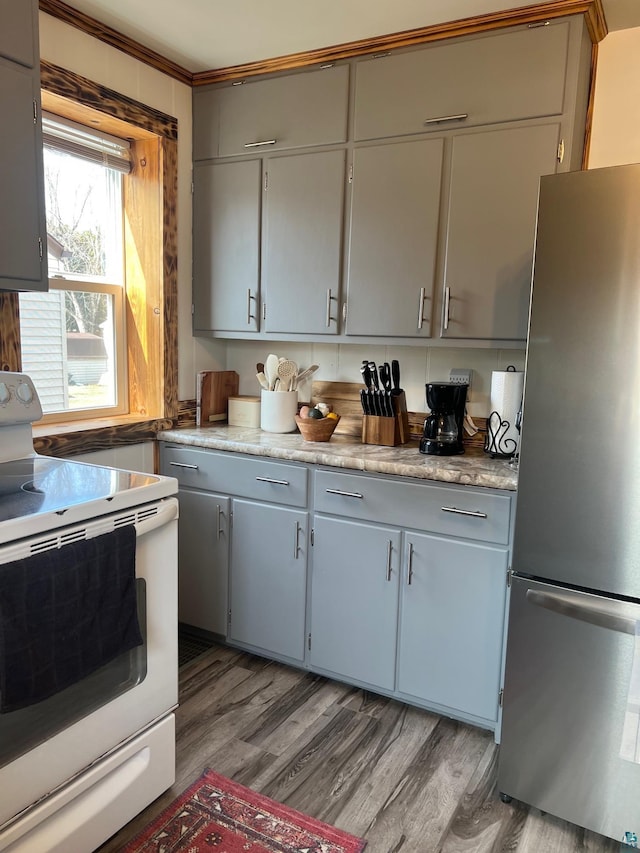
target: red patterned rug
217 814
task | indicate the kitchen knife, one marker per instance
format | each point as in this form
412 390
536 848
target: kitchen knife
385 377
375 390
366 378
395 375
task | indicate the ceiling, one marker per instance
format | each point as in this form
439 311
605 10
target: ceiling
202 35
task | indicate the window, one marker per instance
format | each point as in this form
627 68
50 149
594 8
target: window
73 337
150 202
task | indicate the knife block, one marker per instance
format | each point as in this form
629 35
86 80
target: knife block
388 432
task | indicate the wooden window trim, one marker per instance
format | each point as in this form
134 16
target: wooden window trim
150 201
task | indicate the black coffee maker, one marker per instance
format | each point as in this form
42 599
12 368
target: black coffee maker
442 434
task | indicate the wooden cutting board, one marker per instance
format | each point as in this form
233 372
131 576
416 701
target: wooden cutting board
213 389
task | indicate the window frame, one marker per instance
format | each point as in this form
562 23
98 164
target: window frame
151 297
120 407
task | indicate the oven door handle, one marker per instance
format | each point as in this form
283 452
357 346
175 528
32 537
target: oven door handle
168 512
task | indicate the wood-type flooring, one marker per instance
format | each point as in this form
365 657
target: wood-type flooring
406 780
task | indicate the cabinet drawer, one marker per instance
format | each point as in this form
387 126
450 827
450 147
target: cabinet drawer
308 108
503 77
453 511
230 474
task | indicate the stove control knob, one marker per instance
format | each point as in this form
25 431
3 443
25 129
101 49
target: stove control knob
24 393
5 394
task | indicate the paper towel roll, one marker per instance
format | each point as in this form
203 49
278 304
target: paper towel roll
506 397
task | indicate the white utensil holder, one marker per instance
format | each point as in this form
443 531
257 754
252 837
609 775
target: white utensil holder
278 410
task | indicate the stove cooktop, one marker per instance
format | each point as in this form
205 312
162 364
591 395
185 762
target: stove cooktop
39 493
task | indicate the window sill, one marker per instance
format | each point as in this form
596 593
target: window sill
68 439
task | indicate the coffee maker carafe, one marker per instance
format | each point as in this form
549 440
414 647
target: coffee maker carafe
442 434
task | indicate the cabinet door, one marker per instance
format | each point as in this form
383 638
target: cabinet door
479 80
491 225
23 264
451 623
268 578
393 236
354 600
203 549
226 246
287 111
18 33
303 242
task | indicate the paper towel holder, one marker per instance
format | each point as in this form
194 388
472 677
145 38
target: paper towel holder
496 442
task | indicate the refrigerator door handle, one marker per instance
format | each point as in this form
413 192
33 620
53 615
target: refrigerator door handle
582 610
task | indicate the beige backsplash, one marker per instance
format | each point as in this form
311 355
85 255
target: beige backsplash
341 363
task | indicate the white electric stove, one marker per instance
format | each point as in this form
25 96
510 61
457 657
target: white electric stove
78 765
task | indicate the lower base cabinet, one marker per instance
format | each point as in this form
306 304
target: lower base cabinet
408 578
203 547
268 578
354 600
451 623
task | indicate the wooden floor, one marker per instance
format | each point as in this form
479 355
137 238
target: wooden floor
406 780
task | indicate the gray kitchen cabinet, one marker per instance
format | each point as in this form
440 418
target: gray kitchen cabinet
302 242
23 237
485 79
490 229
18 34
427 603
393 238
226 246
203 557
268 578
354 600
452 622
286 111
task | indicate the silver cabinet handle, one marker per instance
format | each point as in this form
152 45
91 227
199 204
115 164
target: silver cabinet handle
250 316
389 549
423 296
410 565
344 494
296 546
585 611
275 482
218 518
438 119
329 298
474 513
447 302
183 465
261 142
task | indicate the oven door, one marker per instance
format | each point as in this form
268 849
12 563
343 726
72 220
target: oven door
45 745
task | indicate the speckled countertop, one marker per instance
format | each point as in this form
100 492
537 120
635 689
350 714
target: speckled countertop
473 468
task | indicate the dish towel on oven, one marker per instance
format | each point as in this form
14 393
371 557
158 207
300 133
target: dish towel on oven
65 613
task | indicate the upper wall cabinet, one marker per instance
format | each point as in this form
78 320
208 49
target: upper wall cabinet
488 79
393 238
17 40
293 111
302 242
226 246
23 238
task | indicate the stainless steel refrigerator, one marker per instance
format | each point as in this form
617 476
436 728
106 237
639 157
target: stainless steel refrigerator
571 720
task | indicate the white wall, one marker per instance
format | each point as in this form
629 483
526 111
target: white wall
615 137
69 48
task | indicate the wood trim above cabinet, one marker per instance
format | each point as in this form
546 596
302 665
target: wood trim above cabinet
537 13
591 9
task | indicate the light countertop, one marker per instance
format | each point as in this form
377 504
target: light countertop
473 468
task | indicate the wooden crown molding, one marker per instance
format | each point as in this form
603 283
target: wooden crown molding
591 9
102 32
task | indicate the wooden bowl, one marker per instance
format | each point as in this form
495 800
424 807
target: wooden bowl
313 429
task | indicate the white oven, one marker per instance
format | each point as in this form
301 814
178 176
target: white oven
79 763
